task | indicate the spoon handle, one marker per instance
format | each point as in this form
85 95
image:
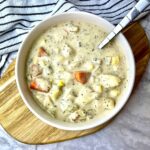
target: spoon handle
132 14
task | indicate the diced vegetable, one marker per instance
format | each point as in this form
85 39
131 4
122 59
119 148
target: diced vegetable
81 76
89 66
35 86
40 84
67 104
114 93
55 92
109 81
35 60
42 52
108 104
115 67
64 104
66 51
35 70
115 60
61 83
51 81
98 88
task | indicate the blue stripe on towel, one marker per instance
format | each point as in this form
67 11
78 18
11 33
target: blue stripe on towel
18 17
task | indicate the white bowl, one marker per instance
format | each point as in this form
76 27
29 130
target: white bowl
21 61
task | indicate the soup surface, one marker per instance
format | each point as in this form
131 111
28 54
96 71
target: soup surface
70 78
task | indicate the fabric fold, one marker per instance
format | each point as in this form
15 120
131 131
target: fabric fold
18 17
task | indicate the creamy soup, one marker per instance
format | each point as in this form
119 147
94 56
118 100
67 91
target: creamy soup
70 78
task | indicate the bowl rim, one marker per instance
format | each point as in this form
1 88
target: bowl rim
60 126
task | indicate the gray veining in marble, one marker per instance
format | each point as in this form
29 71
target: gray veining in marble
129 131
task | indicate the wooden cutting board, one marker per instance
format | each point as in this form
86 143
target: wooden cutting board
21 124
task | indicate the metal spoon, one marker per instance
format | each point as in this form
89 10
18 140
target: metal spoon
133 13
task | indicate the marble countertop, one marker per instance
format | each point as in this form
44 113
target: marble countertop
130 129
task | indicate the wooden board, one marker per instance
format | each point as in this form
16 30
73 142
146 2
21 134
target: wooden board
21 124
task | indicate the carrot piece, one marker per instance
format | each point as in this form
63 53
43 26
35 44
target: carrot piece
42 52
35 86
81 76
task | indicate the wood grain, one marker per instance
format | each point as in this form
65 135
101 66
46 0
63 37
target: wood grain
21 124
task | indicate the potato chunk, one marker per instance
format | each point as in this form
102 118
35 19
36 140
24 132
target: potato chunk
65 104
114 93
108 103
66 51
98 88
109 81
85 96
115 60
89 66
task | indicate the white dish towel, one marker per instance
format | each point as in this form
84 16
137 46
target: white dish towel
17 17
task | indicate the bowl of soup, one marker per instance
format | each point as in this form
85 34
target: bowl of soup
65 80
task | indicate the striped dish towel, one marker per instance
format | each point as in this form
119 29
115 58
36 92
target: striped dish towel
17 17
